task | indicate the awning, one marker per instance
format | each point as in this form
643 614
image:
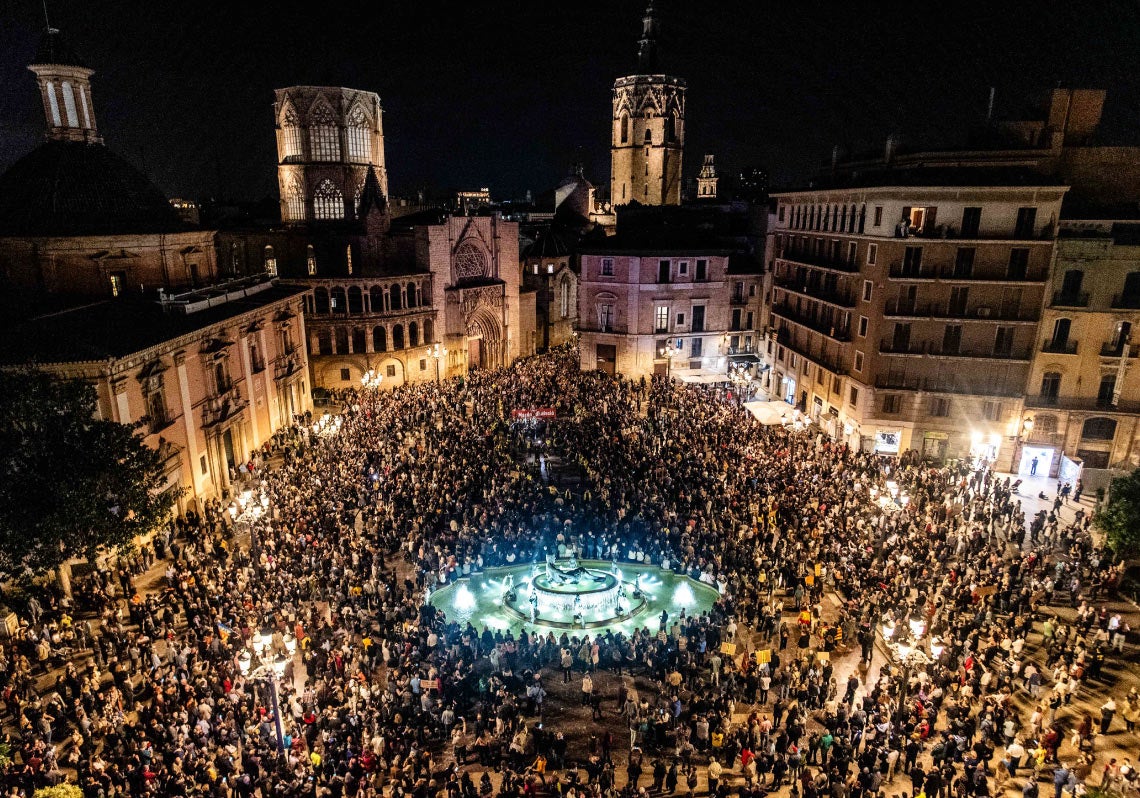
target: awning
703 379
771 412
750 357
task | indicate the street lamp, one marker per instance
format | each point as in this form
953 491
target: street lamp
371 379
436 351
668 352
738 375
269 674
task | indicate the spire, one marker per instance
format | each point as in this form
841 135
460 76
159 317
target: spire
65 90
647 45
707 179
373 204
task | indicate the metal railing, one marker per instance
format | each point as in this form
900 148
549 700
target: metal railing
1063 299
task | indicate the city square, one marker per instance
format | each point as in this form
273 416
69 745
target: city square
797 456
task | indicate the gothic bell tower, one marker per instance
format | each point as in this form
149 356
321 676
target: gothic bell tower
648 130
65 89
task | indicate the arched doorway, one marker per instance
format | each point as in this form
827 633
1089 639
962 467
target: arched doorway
484 341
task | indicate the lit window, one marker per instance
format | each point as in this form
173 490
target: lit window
118 283
311 260
328 201
348 258
270 261
324 136
358 136
607 266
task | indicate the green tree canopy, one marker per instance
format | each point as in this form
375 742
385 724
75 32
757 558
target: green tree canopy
71 484
1119 519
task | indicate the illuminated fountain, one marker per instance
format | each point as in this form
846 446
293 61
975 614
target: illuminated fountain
569 594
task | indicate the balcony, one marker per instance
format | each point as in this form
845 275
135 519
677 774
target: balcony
939 310
1063 299
1126 301
285 367
947 273
820 260
838 333
944 384
843 299
739 299
816 354
1081 403
1059 347
1110 349
930 349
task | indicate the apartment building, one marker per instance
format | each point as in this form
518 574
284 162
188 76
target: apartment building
904 308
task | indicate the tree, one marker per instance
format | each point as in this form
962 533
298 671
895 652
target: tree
71 484
64 790
1120 518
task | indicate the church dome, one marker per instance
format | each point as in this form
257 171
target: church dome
72 188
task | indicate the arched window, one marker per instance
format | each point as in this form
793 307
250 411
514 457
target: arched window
1050 386
359 136
355 300
862 218
413 334
324 342
328 201
429 332
295 203
379 339
321 300
358 340
670 127
843 219
410 295
269 261
398 337
564 296
338 301
394 295
340 335
324 136
1099 429
377 295
648 136
291 137
625 128
311 260
69 104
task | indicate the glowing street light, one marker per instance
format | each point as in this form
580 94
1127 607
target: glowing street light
436 351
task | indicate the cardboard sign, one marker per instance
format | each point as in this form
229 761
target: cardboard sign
530 413
819 569
809 580
764 656
988 590
728 648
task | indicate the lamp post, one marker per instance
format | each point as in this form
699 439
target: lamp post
1023 434
269 673
247 511
436 351
740 378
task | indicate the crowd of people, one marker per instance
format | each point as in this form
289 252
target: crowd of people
310 663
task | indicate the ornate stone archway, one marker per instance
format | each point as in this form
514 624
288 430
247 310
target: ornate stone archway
484 340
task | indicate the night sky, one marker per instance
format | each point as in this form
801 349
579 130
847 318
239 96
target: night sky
508 94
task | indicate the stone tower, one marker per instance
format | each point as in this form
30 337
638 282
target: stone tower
65 89
648 132
707 179
328 140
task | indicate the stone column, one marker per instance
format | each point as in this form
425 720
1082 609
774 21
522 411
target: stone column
188 422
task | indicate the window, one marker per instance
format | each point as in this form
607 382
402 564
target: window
1018 263
292 137
959 298
852 253
202 464
680 319
1003 341
153 395
971 222
256 361
702 270
781 212
550 268
605 318
118 283
964 262
854 396
624 128
295 203
607 267
683 268
867 288
952 339
345 376
661 318
912 261
663 271
379 339
69 104
863 326
736 318
793 361
878 216
221 377
54 104
324 342
328 201
348 258
358 136
748 320
836 385
1104 396
1099 429
1050 386
398 337
423 364
1060 340
697 347
324 136
939 406
269 261
564 297
413 334
311 260
872 254
698 318
390 371
1026 220
991 411
891 404
858 360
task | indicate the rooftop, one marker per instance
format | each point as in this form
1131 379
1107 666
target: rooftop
116 328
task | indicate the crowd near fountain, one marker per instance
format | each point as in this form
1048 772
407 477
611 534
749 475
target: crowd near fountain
648 592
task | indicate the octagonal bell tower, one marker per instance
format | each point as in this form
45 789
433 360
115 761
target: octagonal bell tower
648 128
